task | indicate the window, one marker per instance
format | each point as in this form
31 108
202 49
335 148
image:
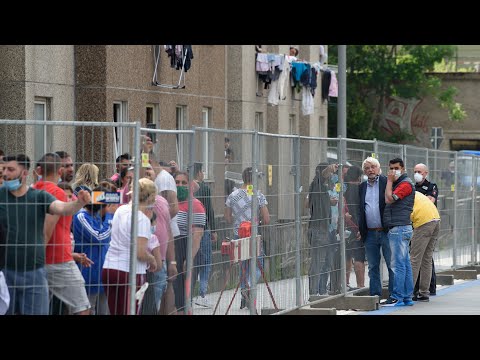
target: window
207 155
259 122
43 133
153 115
292 124
120 115
181 123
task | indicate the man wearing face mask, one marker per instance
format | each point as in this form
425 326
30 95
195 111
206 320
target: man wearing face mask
23 211
399 199
430 190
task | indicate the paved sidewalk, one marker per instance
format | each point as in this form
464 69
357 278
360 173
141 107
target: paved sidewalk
461 298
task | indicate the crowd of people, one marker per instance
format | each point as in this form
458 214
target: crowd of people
388 215
60 247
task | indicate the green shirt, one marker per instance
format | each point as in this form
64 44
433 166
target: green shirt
24 218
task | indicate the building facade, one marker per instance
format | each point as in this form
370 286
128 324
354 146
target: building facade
115 83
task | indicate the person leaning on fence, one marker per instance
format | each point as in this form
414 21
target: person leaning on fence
64 278
426 226
370 222
92 232
355 249
430 190
203 263
23 211
158 283
238 208
149 305
399 199
319 228
115 273
198 224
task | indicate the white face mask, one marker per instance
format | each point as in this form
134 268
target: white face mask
418 177
398 173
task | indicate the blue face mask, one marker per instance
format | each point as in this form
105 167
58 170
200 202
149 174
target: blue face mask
334 178
13 185
153 229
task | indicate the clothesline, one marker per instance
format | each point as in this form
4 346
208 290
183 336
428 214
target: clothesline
276 70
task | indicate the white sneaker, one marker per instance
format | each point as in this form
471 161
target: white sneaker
202 301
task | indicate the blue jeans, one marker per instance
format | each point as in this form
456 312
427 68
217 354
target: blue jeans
28 292
160 284
399 238
204 261
375 241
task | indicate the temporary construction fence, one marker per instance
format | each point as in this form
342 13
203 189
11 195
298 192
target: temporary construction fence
283 167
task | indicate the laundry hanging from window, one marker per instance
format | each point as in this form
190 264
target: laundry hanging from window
176 54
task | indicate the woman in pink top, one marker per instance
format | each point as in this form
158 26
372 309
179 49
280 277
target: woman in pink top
117 261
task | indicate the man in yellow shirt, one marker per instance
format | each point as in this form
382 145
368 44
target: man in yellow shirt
426 226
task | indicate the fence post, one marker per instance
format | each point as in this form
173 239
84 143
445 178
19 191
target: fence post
136 162
455 206
255 219
341 217
188 282
298 220
474 197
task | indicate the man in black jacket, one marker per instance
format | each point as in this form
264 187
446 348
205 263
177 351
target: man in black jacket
370 223
430 190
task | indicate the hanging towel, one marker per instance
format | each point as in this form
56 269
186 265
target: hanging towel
333 89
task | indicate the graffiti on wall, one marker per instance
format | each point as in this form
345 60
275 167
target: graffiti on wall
402 114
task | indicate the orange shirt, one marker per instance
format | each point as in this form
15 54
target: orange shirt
59 248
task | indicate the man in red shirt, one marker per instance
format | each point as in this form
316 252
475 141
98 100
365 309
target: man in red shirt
65 280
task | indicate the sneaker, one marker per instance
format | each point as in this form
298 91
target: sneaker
408 303
390 302
423 298
415 297
202 301
244 301
352 288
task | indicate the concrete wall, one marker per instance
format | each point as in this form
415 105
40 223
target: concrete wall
12 97
49 74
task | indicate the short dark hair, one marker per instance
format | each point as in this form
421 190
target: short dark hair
62 154
50 162
109 184
65 186
125 156
247 175
227 140
21 159
397 160
353 173
197 167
